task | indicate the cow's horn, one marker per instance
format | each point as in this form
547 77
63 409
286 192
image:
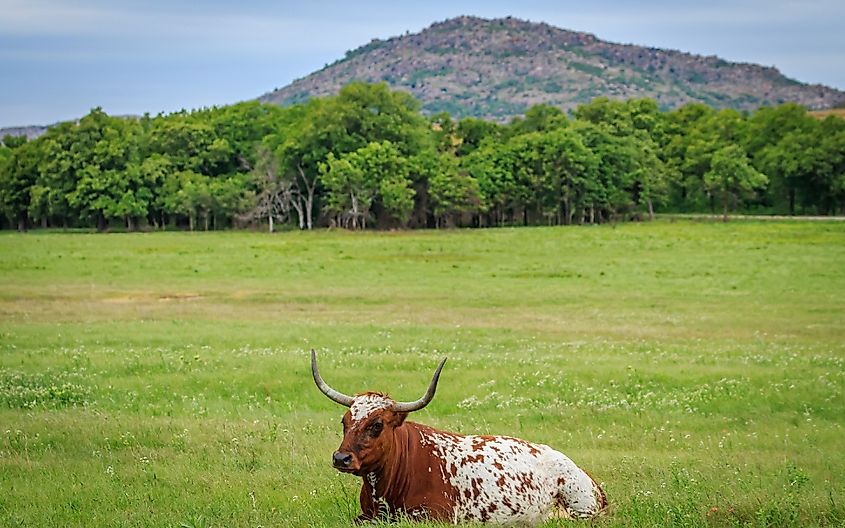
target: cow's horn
429 394
335 396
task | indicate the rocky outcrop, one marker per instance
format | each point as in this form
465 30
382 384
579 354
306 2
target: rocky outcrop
497 68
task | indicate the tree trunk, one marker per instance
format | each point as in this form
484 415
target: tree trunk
310 187
270 221
101 222
22 223
309 206
791 202
354 210
298 207
725 208
191 221
650 209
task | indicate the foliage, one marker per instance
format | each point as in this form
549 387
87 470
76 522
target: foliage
453 191
18 174
376 174
732 177
367 157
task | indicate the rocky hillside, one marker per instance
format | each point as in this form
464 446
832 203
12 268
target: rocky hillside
497 68
31 132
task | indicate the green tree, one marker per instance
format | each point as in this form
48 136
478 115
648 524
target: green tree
473 132
800 166
538 118
301 147
186 193
445 133
690 150
616 171
650 176
453 191
832 131
770 143
768 126
630 158
397 196
274 195
18 174
155 170
372 113
106 166
58 172
492 165
559 173
686 155
188 144
227 197
242 126
731 177
360 115
376 174
349 192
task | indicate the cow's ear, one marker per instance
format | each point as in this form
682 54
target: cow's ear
399 418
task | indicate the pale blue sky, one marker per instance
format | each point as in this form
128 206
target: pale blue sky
58 59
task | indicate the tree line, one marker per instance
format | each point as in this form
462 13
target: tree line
367 158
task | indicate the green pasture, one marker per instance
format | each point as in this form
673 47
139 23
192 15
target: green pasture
697 370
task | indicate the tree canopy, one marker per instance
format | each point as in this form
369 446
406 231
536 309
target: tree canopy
367 158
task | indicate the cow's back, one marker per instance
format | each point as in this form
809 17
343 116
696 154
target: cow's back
504 479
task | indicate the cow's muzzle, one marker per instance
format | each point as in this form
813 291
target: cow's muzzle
342 461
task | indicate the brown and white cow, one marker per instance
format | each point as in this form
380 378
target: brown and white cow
411 470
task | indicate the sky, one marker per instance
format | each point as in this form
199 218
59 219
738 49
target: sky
60 58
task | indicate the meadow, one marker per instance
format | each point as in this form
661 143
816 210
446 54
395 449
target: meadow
696 369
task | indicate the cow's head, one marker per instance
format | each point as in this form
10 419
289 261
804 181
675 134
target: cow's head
369 423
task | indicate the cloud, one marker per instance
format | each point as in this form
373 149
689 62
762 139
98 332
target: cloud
160 28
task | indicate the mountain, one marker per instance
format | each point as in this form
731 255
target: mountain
31 132
498 68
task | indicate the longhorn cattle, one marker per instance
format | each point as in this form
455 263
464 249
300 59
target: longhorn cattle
414 471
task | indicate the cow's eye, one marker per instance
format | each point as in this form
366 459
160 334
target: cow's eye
375 428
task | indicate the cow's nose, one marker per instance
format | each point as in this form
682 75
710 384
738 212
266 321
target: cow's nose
341 460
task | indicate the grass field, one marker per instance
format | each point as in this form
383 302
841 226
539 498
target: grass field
821 114
696 369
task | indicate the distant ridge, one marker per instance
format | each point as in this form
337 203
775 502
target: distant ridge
498 68
31 132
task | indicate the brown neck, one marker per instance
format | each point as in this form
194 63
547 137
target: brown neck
394 480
